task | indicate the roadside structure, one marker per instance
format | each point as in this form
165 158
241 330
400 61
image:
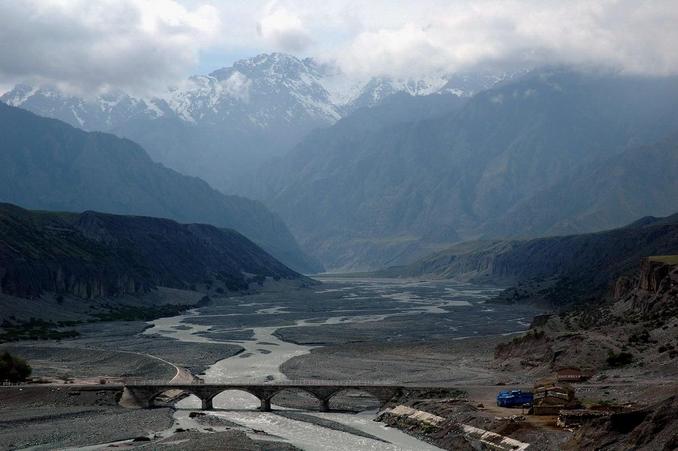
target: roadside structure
571 374
550 397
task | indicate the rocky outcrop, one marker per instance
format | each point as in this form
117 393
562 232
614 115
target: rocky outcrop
653 428
652 273
652 292
622 286
639 324
93 255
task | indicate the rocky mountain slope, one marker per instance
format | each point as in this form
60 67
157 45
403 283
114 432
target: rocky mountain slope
47 164
601 195
92 255
360 199
222 125
638 318
556 270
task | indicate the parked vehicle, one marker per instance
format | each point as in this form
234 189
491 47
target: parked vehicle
514 398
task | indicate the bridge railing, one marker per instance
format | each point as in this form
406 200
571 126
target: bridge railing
286 382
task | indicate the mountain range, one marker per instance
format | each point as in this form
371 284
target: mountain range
602 195
544 153
382 172
50 165
223 125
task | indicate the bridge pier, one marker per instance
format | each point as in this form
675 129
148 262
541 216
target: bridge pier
265 405
324 405
207 404
135 398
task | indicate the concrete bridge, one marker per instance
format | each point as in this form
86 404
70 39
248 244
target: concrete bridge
142 395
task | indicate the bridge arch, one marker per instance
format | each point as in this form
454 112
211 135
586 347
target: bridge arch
359 399
145 395
234 399
174 396
298 397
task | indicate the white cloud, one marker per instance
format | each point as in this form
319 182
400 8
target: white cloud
631 35
137 44
5 87
237 86
91 45
283 30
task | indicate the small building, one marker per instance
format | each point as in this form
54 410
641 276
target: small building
550 397
570 374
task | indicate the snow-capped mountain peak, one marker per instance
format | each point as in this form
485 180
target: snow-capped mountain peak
223 124
267 90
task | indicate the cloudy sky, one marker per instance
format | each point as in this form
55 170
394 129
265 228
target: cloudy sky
147 44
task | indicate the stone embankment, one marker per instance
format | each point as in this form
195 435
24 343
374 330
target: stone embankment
420 422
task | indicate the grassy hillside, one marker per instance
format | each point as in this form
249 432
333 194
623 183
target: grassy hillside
668 259
93 255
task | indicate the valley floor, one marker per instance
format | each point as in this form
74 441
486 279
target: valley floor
411 332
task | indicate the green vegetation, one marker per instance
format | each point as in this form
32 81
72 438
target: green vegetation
668 259
35 329
258 279
141 313
13 369
234 282
618 360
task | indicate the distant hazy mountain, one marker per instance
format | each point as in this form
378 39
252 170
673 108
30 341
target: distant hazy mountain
92 255
47 164
360 197
602 195
377 90
558 270
221 126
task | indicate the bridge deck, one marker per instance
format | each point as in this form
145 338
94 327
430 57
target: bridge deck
143 394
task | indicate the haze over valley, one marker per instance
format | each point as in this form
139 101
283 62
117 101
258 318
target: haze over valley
388 225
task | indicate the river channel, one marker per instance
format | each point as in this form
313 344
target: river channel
334 312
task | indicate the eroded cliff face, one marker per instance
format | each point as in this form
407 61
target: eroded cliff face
30 279
652 293
652 274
